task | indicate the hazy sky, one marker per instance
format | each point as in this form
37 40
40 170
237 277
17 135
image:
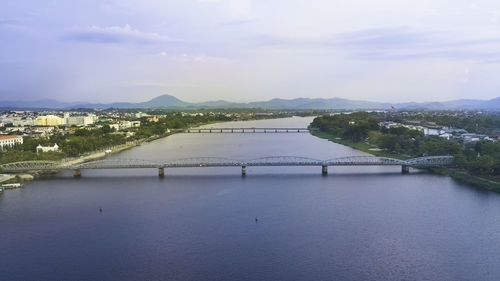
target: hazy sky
243 50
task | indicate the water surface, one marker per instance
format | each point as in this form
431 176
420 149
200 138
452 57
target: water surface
358 223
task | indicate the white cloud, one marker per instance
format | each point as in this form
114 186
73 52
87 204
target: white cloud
115 34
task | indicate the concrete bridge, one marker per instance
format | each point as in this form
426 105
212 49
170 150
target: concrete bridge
196 162
247 130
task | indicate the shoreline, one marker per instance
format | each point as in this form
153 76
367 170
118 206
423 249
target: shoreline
459 176
96 155
91 156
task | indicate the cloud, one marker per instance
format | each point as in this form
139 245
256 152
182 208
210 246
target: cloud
407 44
114 35
237 22
9 21
383 38
16 23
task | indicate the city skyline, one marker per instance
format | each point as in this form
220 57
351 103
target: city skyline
244 51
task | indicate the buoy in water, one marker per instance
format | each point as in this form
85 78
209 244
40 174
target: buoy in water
100 210
256 219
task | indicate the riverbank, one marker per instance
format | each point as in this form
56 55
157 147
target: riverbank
460 176
96 155
91 156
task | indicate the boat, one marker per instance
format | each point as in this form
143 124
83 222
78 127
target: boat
11 185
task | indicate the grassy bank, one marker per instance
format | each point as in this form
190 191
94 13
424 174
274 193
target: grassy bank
460 176
361 146
469 179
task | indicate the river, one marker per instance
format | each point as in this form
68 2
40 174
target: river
357 223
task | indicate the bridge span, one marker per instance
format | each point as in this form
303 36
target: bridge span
196 162
247 130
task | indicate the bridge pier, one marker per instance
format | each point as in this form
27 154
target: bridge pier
161 172
324 170
243 170
405 169
77 173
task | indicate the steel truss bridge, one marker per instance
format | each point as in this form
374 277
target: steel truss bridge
247 130
118 163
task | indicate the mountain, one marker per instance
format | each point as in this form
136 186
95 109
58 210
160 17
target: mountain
168 101
306 103
42 103
165 101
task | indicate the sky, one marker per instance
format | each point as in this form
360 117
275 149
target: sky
244 50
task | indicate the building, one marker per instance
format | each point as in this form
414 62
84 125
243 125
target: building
10 140
446 136
79 120
474 137
44 131
124 125
41 148
49 120
23 122
433 131
141 114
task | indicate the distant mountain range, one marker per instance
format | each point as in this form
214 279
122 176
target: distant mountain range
171 102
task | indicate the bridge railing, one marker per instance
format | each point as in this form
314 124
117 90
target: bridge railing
119 163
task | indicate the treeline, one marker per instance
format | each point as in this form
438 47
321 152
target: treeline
174 121
476 123
86 140
354 127
478 158
80 142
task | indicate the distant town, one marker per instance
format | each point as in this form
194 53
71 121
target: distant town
17 125
58 131
88 134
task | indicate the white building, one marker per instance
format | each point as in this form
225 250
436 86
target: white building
41 148
433 131
446 136
125 125
10 140
474 137
80 120
141 114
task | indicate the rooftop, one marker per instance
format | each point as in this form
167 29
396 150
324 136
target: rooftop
6 137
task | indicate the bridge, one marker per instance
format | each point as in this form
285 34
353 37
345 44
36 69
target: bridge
196 162
247 130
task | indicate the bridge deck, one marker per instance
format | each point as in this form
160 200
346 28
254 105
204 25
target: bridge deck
247 130
432 161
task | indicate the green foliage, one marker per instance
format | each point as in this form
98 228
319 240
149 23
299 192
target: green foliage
438 146
174 121
480 158
84 140
477 123
354 127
